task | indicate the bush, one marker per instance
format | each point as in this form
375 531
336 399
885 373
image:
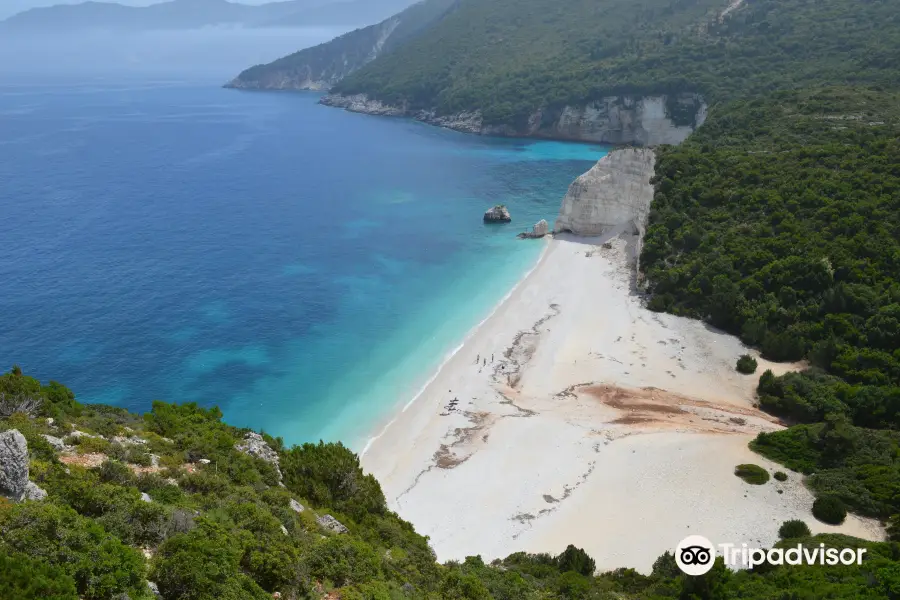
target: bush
746 364
24 578
753 474
794 528
343 560
829 509
780 476
101 565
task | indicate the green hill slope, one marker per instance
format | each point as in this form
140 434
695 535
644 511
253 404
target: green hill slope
509 58
174 497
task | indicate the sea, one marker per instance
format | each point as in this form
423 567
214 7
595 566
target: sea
304 268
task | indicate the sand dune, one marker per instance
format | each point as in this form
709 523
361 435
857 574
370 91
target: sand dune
574 415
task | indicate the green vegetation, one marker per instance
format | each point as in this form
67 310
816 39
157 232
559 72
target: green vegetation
778 221
746 364
780 476
829 509
512 57
794 528
225 530
753 474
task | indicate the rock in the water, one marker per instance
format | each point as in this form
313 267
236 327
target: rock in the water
497 214
296 506
254 445
540 229
14 482
614 193
331 524
146 497
57 443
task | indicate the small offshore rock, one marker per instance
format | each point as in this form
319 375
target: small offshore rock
540 229
296 506
330 523
497 214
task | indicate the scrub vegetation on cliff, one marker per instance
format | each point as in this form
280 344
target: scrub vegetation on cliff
509 58
211 516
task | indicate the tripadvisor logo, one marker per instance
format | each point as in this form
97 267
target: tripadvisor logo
696 555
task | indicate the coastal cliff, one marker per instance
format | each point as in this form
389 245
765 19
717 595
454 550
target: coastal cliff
614 192
321 67
645 121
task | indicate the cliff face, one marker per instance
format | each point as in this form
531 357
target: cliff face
322 66
614 193
644 121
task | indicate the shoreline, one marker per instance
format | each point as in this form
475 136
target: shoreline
581 398
449 356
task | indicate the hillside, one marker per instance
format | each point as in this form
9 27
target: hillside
192 14
322 66
175 504
509 58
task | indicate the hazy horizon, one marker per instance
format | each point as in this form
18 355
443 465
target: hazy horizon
211 54
11 7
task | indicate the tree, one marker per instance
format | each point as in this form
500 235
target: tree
577 560
25 578
829 509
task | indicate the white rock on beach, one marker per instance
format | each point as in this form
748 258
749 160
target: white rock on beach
615 191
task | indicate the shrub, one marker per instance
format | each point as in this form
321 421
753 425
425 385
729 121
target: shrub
101 565
746 364
204 565
24 578
829 509
753 474
794 528
343 561
780 476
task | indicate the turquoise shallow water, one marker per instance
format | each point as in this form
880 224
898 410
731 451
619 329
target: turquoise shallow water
304 268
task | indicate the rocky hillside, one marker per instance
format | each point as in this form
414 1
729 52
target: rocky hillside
320 67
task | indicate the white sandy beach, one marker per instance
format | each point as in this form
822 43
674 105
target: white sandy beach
593 422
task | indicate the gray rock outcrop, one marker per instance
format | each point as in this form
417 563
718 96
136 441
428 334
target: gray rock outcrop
331 524
254 445
54 441
540 229
296 506
638 120
145 497
497 214
614 193
14 483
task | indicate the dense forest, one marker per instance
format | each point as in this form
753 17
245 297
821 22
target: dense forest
779 221
177 498
511 57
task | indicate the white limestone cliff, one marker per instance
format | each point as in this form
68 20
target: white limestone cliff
615 193
638 120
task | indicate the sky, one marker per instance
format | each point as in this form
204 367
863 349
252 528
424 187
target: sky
11 7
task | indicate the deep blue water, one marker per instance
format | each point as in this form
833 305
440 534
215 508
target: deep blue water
302 267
